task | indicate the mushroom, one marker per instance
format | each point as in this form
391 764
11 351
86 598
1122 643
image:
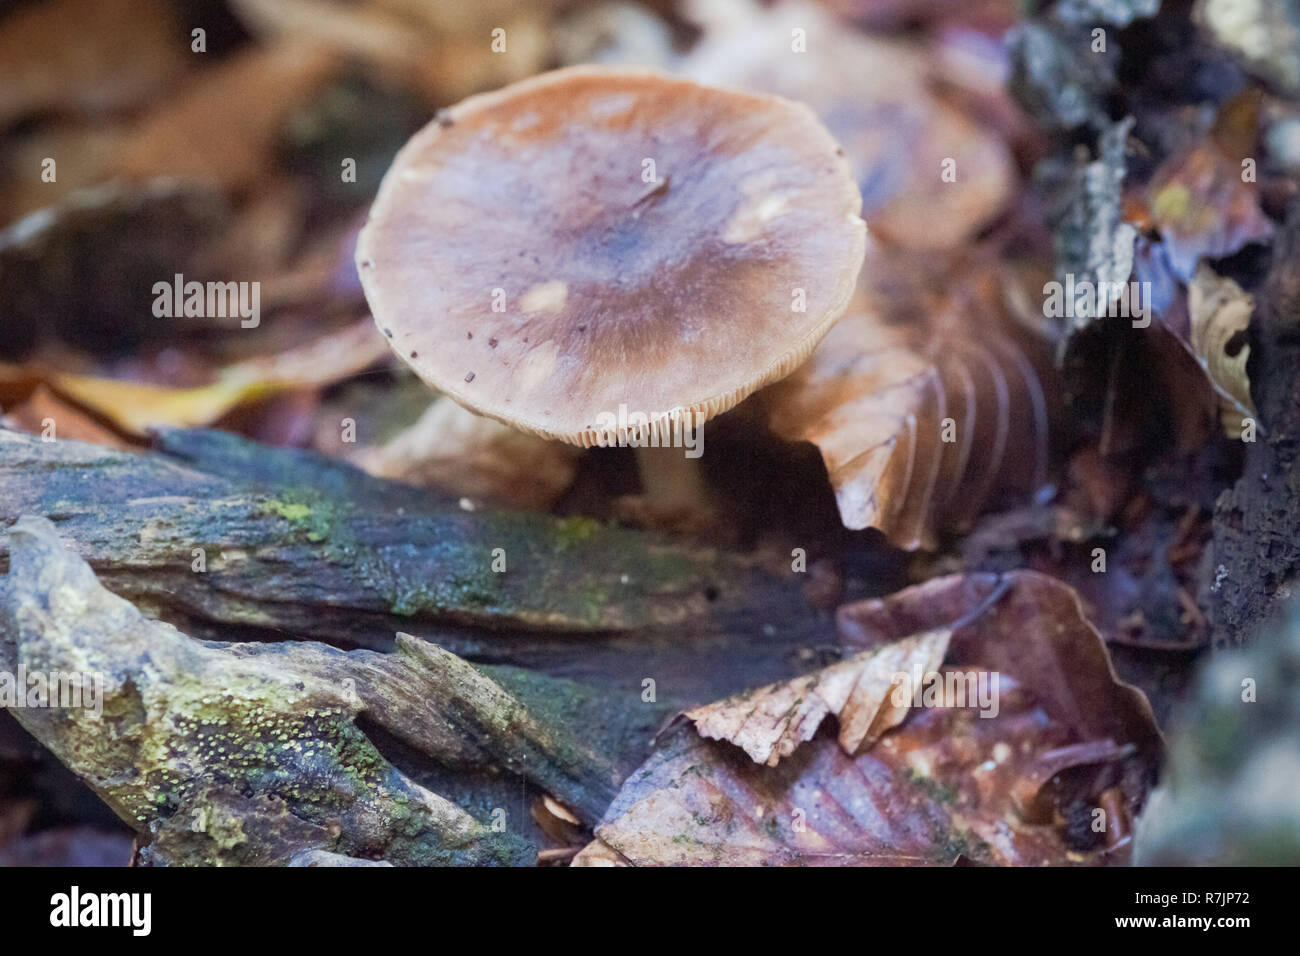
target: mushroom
608 257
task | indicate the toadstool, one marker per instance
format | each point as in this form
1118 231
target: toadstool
600 256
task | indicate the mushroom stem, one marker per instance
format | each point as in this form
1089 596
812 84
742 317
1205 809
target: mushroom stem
671 480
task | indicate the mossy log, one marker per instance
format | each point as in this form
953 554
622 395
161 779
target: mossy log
252 753
311 570
291 544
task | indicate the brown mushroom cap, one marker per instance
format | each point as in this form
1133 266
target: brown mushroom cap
673 297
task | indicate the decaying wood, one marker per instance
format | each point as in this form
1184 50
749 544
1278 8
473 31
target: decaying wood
228 754
298 546
1256 550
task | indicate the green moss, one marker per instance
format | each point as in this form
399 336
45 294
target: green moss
310 514
571 531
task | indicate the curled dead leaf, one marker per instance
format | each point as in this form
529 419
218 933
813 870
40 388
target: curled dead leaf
769 723
1038 634
1220 312
926 401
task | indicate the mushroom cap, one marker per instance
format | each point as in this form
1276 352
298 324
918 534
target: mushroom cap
594 238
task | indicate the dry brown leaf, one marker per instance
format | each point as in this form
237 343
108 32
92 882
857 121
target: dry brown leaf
900 803
84 152
1037 635
362 30
1009 787
87 56
137 407
222 127
597 853
1220 312
445 51
769 723
926 401
463 19
44 412
876 98
453 449
928 340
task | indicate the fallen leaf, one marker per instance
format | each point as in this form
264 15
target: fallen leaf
223 126
453 449
1201 201
1220 312
87 56
137 407
44 412
769 723
615 34
1037 634
84 152
439 49
923 400
876 98
1013 783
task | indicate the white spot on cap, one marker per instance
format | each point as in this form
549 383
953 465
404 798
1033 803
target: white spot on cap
547 297
749 221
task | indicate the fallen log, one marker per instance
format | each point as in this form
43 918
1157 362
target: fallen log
232 540
220 754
